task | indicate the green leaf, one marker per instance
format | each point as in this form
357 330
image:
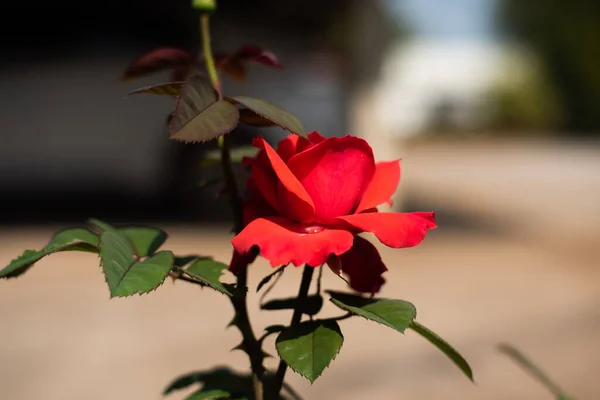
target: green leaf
277 115
209 272
199 114
75 239
535 371
311 306
144 276
182 261
209 394
103 226
75 235
309 347
145 240
396 314
124 273
441 344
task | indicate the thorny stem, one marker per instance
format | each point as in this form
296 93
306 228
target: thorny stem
242 321
251 344
235 200
296 317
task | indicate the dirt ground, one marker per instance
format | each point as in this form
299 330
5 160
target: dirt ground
62 338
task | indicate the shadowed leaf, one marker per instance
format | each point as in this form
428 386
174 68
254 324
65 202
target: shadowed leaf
163 89
441 344
159 60
209 272
75 239
199 115
268 111
181 261
218 378
221 378
251 118
145 240
311 306
209 394
310 347
396 314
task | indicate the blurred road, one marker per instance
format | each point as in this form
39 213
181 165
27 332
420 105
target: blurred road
484 277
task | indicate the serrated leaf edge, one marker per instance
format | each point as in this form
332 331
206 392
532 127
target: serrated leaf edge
234 100
326 367
139 293
27 266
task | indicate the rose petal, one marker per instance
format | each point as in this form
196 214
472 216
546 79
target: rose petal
291 145
363 266
394 229
293 200
315 137
265 181
382 186
282 242
335 174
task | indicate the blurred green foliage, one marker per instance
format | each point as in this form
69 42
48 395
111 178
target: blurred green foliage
523 98
564 35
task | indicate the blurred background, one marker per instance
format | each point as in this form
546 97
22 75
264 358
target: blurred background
493 105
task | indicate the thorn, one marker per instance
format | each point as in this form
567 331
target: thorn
174 275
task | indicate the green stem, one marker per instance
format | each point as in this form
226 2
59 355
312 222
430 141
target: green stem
296 317
251 344
208 54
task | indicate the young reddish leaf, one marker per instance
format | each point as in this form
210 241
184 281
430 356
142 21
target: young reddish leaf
260 56
159 60
235 65
234 68
200 115
163 89
268 111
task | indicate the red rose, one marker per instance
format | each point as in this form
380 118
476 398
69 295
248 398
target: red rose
308 200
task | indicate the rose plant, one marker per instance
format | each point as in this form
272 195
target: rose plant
306 203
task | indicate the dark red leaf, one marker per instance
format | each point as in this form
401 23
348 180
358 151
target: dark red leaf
256 54
235 65
160 60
